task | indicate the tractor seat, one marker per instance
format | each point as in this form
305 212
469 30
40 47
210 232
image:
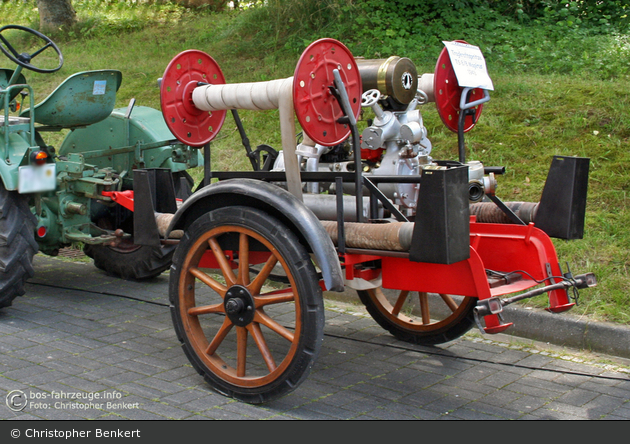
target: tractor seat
5 76
82 99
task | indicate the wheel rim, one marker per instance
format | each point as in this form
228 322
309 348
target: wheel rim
229 318
426 314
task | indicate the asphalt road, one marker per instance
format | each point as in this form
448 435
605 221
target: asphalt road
84 345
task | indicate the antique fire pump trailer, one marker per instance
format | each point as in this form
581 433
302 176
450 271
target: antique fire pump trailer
426 243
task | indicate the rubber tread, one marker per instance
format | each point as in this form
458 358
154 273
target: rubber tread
17 245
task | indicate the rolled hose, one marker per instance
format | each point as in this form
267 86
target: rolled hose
394 236
489 212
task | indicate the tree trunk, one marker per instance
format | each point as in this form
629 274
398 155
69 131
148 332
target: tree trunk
54 14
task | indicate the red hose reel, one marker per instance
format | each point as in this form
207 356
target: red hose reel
317 109
183 74
448 94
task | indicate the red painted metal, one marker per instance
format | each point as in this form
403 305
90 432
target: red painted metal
124 198
372 155
507 247
502 248
316 108
208 260
189 124
448 94
349 261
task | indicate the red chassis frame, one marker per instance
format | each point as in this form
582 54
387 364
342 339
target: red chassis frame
524 252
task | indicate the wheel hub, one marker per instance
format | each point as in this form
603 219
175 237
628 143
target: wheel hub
239 305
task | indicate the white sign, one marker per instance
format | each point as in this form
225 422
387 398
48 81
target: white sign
469 65
37 178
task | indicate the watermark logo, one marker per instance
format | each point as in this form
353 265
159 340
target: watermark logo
16 400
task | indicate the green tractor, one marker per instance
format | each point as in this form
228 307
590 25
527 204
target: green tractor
53 197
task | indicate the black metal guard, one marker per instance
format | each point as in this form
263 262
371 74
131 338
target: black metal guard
153 192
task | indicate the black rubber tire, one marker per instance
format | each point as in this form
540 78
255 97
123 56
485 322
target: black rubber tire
17 245
135 262
128 260
450 328
219 368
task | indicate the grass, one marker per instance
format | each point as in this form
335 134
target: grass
531 117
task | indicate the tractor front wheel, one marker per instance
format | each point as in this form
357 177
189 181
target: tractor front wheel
128 260
17 245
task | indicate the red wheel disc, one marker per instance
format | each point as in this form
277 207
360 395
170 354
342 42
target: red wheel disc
448 94
187 123
316 108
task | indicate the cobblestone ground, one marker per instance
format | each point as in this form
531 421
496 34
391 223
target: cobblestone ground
79 331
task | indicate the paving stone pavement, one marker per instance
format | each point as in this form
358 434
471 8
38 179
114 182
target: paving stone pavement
71 334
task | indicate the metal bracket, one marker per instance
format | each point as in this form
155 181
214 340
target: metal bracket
153 192
485 307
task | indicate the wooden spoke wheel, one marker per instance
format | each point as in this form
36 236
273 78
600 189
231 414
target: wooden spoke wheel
251 337
418 317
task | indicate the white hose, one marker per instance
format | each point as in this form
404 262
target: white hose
274 94
253 96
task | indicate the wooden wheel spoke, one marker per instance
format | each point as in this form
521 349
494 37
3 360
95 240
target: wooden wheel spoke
226 269
449 301
206 309
264 319
250 268
262 276
220 336
276 297
209 281
243 260
241 351
259 339
424 307
402 297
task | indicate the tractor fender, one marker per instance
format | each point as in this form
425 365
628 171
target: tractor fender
275 201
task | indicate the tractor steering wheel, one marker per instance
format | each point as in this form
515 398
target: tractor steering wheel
24 59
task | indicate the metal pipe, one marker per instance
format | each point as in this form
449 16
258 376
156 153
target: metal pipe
324 206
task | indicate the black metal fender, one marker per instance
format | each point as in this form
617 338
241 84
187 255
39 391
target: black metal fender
275 201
